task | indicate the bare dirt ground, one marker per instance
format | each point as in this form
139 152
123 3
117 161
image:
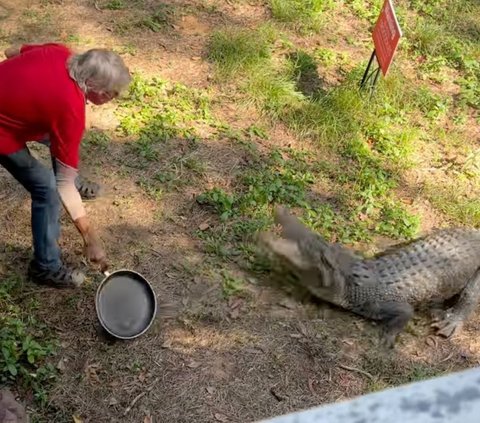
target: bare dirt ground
220 360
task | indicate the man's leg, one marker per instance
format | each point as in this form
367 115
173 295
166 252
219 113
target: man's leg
39 181
88 190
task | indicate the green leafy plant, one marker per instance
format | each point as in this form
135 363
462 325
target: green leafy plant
25 346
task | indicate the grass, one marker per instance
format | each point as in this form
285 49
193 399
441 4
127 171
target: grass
26 345
155 111
359 148
454 200
304 15
231 285
374 141
353 167
234 50
371 141
115 5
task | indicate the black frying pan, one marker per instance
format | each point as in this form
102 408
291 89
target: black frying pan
126 304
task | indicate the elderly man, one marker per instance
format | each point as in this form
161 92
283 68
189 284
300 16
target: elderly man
43 92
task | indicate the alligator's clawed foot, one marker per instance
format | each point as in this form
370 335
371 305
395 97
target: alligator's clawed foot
437 314
387 340
449 326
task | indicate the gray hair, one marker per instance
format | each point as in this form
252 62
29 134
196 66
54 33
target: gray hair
99 70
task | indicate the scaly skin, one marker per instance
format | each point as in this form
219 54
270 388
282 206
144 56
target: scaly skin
389 286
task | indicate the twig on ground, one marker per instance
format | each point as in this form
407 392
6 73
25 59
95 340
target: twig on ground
448 357
33 291
139 396
354 369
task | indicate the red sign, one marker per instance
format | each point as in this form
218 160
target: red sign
386 36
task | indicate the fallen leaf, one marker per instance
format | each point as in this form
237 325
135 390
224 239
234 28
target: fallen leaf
148 419
221 417
91 372
235 314
203 226
310 386
288 304
431 341
236 303
77 419
210 390
254 351
194 364
61 366
303 330
113 401
277 395
167 344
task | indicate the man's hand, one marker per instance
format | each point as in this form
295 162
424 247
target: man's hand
93 248
12 51
94 251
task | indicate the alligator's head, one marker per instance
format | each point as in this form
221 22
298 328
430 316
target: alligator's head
317 263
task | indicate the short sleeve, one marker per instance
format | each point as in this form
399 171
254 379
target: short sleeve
66 135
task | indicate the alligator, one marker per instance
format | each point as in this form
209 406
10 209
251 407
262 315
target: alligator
425 273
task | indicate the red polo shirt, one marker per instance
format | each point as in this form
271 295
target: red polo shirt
37 96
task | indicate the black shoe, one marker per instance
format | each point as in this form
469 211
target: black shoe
65 277
88 190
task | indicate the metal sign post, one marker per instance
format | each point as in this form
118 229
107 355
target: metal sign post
386 36
369 74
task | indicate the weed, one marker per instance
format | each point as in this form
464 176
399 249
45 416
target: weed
305 15
96 139
152 190
234 50
274 92
155 111
434 106
159 20
329 58
231 285
365 9
453 200
115 5
395 222
26 345
222 202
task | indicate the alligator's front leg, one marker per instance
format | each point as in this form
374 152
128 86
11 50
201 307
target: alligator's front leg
393 316
455 317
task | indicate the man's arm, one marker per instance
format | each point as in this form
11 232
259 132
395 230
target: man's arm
73 204
16 50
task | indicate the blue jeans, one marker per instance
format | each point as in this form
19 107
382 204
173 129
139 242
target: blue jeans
40 182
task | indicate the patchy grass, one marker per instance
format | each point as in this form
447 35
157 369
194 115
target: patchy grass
27 344
461 205
155 111
304 15
201 173
231 285
236 50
